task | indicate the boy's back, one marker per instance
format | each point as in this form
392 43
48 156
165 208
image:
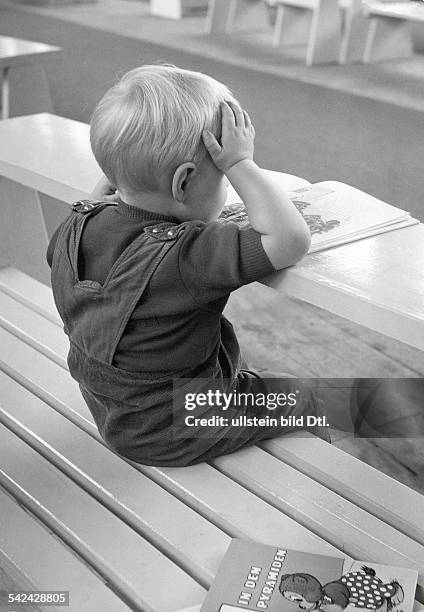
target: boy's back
141 281
177 325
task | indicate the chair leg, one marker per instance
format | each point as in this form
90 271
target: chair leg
279 16
5 93
292 26
246 15
354 34
325 37
217 17
233 6
387 38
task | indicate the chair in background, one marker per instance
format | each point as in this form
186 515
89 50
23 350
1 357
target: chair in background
316 23
389 34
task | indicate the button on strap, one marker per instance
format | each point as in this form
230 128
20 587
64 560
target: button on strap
86 206
164 231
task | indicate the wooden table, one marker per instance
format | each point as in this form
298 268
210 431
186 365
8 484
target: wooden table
377 282
16 52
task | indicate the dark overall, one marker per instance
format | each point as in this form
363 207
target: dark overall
133 411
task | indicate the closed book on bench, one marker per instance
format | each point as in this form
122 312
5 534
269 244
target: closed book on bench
261 578
336 213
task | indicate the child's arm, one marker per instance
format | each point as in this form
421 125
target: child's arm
284 233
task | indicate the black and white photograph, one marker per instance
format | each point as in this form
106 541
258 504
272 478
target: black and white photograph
211 305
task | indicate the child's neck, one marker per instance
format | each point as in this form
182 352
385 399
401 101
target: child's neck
160 203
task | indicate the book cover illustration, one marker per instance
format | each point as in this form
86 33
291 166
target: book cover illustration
258 578
334 212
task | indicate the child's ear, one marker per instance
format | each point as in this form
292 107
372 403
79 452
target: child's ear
181 179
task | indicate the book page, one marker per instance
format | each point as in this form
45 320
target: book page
335 213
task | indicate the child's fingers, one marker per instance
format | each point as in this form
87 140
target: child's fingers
227 113
237 113
211 143
247 120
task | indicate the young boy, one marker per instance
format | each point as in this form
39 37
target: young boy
141 280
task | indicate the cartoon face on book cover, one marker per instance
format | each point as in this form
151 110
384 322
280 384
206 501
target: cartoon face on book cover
259 578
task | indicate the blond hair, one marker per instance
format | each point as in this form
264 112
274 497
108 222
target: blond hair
151 121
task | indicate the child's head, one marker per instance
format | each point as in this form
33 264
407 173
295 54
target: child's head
151 123
303 589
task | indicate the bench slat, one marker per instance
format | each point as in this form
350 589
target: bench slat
34 329
94 532
30 292
360 483
37 370
201 487
28 543
236 509
197 544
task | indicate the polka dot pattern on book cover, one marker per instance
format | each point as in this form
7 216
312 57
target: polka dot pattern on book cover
367 591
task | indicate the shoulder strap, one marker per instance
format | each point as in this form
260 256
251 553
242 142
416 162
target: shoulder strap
130 279
95 316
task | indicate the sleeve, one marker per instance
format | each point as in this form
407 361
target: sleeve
52 244
216 258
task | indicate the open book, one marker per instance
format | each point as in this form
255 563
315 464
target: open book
260 578
335 213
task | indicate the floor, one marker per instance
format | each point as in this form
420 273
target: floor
272 330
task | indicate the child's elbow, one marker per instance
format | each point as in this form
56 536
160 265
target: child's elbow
301 243
287 251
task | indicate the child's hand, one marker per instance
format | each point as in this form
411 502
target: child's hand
105 191
237 137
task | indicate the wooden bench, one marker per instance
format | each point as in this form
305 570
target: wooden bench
122 536
359 31
141 529
342 31
348 30
314 23
330 30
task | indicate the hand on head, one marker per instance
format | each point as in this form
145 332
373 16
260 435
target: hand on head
237 138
